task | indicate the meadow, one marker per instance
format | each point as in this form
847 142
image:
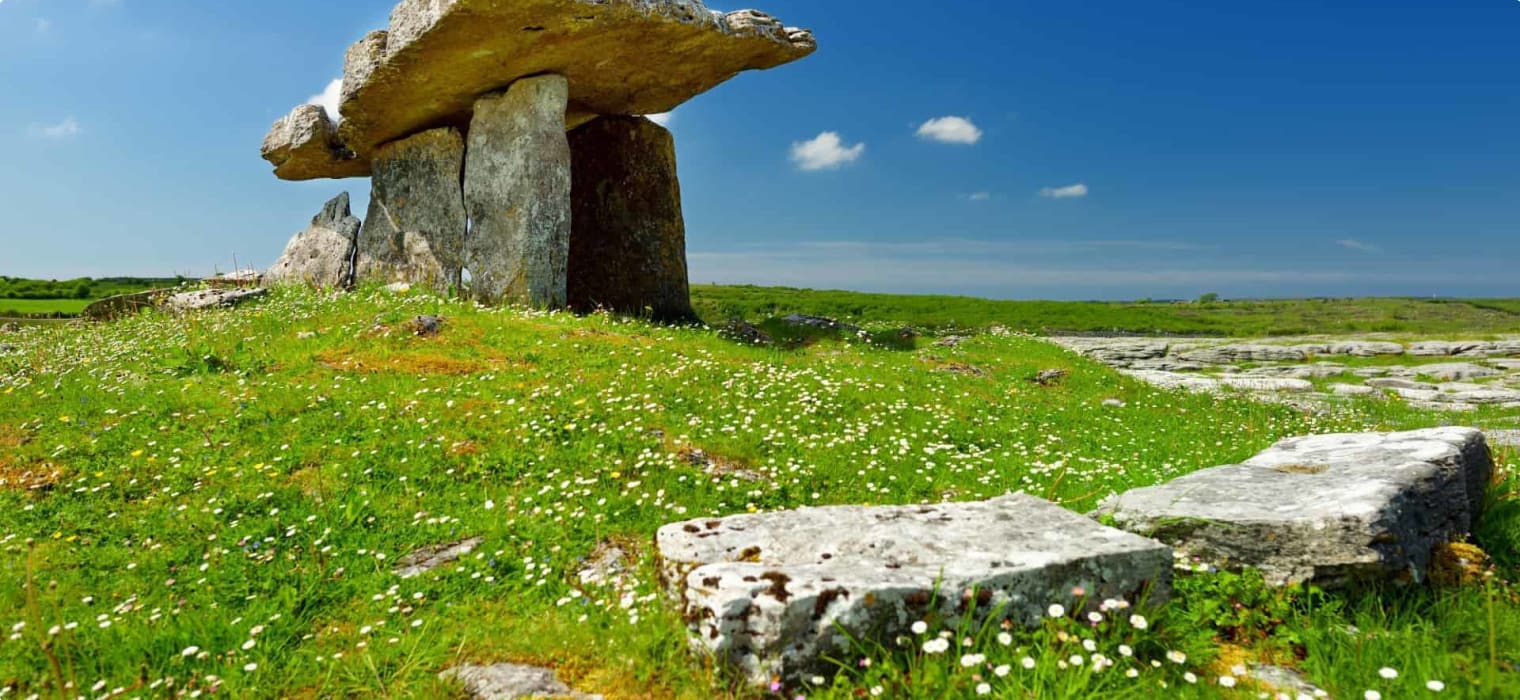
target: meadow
215 503
1233 318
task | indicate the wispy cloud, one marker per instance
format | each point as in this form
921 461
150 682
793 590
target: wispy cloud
663 118
67 128
329 99
825 152
956 130
1358 246
977 196
1076 191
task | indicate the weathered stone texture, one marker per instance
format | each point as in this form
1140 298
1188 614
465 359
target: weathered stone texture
627 235
322 255
304 145
416 226
775 594
517 193
1328 509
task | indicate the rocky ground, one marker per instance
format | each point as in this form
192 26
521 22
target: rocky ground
1447 375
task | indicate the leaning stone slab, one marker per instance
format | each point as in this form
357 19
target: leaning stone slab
1329 509
415 230
620 56
775 594
323 254
628 237
517 193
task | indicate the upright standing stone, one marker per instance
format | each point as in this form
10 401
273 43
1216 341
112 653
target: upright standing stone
627 235
323 254
517 192
416 225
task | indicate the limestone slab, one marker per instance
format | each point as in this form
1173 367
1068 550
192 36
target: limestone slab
627 232
774 594
1328 509
305 145
415 230
517 192
621 57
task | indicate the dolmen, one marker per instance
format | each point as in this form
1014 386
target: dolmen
505 146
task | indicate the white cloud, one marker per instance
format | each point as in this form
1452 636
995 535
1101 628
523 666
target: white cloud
329 98
825 152
1359 246
958 130
1076 191
663 118
67 128
977 196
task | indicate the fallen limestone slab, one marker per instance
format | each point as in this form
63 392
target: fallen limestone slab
1236 354
622 57
433 556
212 299
1366 349
511 682
1329 509
1173 380
1447 371
1397 383
772 595
1352 390
1268 384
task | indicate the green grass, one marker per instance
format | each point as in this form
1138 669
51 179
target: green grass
1226 318
28 307
219 500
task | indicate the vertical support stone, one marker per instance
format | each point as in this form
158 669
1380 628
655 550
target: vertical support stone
627 236
517 192
416 225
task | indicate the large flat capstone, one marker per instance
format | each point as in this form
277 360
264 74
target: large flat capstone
439 56
1329 509
774 594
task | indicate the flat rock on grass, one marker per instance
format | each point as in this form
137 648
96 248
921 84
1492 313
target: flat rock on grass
775 594
213 298
1328 508
512 681
431 557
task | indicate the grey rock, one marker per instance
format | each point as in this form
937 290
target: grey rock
747 332
1352 390
206 299
1366 349
1448 371
605 566
1318 370
1504 438
361 61
305 145
517 191
10 328
1165 365
1506 365
1114 351
950 341
1173 380
1370 371
1284 680
820 323
1328 508
1236 354
323 254
1271 384
415 231
776 594
433 556
1397 383
511 682
627 233
1504 348
1442 348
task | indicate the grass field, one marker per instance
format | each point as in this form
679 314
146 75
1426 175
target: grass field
27 307
215 504
1226 318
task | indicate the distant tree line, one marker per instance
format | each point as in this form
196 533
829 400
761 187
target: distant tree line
81 288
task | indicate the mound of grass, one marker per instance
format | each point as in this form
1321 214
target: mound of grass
216 502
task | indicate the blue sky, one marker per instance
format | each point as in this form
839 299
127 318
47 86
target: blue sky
1100 149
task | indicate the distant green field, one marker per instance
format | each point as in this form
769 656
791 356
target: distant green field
1248 318
27 307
